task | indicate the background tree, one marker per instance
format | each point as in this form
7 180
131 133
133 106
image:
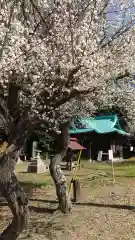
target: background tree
46 142
56 58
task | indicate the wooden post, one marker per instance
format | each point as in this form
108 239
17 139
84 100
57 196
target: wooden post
90 153
110 152
69 165
121 152
76 190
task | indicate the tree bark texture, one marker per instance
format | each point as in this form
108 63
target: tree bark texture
9 185
9 156
18 204
61 187
57 174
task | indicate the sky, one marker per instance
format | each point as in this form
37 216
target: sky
117 16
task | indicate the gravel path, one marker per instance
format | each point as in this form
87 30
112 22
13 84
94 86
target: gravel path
101 216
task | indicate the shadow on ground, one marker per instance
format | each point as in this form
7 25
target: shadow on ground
91 204
46 226
39 229
50 210
117 206
42 209
48 223
34 208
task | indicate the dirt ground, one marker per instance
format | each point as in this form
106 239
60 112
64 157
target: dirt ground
106 211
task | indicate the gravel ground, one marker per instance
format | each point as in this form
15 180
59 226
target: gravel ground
101 214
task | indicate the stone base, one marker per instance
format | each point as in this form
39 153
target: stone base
37 166
19 161
117 160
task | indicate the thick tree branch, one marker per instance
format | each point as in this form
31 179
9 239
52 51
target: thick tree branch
39 13
73 94
13 100
8 28
104 7
71 74
122 76
122 30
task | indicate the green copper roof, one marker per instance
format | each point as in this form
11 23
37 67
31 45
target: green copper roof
99 124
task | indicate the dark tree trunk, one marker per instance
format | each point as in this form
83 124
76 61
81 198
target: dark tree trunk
61 187
9 185
18 205
57 174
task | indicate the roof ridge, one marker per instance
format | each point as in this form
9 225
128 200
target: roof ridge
106 116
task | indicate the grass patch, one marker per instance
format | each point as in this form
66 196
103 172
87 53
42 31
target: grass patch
43 184
33 177
99 174
30 185
125 169
92 174
31 181
37 184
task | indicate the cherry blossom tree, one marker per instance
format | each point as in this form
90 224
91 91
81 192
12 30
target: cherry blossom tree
56 58
121 95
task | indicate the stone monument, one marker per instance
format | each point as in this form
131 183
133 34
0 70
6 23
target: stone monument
34 149
37 165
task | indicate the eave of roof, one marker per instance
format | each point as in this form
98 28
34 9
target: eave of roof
75 146
100 125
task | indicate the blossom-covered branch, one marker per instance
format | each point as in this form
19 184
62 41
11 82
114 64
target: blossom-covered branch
58 51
